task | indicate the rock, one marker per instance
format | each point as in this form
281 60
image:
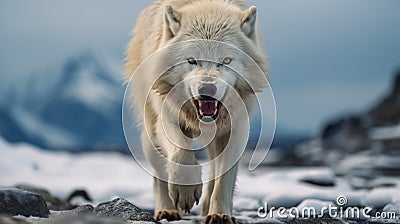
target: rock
40 191
54 203
387 110
123 209
384 118
79 193
11 220
15 201
320 178
393 207
346 134
319 183
84 209
368 164
118 211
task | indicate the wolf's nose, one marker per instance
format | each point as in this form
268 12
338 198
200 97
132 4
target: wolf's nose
207 89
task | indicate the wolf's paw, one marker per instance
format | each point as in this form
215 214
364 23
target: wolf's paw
220 219
185 196
184 180
169 215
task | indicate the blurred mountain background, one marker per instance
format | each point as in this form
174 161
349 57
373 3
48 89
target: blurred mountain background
74 107
61 63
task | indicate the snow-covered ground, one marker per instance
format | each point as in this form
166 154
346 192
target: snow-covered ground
107 175
104 175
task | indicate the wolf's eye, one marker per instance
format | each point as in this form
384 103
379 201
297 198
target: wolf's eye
192 61
227 61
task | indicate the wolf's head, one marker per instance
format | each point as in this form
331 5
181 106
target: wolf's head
213 50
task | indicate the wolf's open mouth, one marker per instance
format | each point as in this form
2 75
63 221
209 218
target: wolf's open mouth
207 107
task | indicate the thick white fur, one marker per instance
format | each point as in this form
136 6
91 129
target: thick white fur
172 21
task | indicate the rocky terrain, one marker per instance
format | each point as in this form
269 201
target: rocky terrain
18 206
31 207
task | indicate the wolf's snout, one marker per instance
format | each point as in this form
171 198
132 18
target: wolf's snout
206 103
207 90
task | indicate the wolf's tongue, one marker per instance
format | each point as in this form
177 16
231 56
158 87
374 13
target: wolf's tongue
208 107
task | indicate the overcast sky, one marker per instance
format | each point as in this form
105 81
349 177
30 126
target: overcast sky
326 57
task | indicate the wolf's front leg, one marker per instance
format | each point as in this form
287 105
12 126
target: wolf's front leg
184 185
184 172
221 205
230 148
165 209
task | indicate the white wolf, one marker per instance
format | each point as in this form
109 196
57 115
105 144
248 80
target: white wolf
205 45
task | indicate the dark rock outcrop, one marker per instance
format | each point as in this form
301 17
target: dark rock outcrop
54 203
118 211
84 209
354 133
348 134
32 203
386 111
123 209
319 182
15 201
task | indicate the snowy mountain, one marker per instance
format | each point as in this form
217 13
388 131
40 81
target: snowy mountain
76 106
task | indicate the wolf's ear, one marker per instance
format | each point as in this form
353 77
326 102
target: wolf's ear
172 20
248 21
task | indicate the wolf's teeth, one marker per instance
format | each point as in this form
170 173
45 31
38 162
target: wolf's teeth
215 112
216 103
201 113
200 103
